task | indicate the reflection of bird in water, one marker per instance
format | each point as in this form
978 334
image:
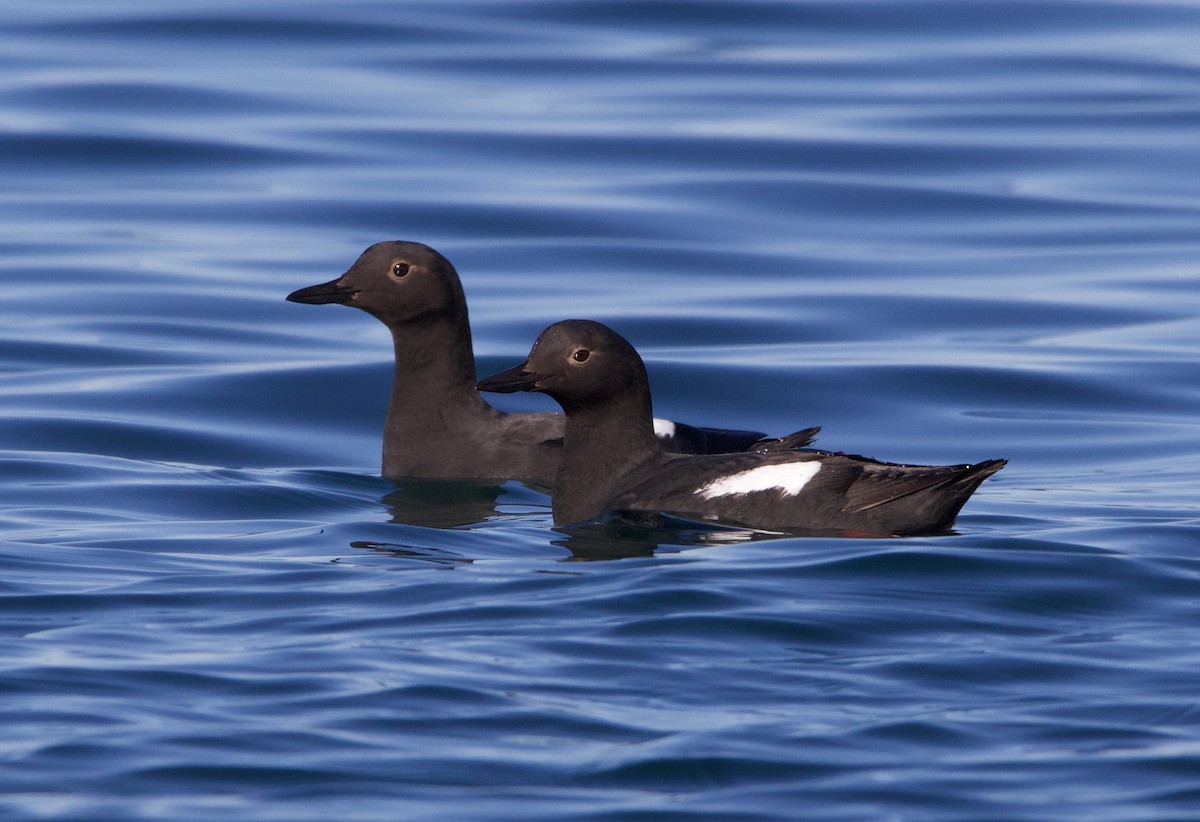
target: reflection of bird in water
436 503
466 505
641 534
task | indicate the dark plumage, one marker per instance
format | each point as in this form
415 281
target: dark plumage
438 426
611 461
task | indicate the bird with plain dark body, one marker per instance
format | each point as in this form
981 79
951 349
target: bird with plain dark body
612 462
438 426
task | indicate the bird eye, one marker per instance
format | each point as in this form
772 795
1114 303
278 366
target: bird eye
399 269
581 355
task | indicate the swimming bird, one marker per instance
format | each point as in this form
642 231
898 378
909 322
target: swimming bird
611 461
438 426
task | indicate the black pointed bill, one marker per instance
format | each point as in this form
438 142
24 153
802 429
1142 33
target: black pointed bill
510 381
330 292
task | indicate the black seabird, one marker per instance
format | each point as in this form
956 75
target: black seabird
612 462
438 426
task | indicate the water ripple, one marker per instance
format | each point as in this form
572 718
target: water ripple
932 228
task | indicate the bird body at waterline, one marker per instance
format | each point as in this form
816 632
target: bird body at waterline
438 426
612 461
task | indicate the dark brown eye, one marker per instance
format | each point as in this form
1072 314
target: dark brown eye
399 269
581 355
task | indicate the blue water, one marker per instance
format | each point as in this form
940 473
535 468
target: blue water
944 231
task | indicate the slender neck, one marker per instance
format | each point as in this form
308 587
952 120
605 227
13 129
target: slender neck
434 383
604 448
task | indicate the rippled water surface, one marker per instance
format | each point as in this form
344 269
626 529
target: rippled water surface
944 231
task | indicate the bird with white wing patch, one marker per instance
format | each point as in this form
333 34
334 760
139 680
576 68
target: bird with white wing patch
613 462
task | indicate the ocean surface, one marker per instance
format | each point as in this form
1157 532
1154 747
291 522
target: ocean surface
944 231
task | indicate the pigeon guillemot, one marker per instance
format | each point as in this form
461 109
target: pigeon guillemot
438 426
611 461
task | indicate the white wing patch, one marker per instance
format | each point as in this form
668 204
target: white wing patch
788 478
663 428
